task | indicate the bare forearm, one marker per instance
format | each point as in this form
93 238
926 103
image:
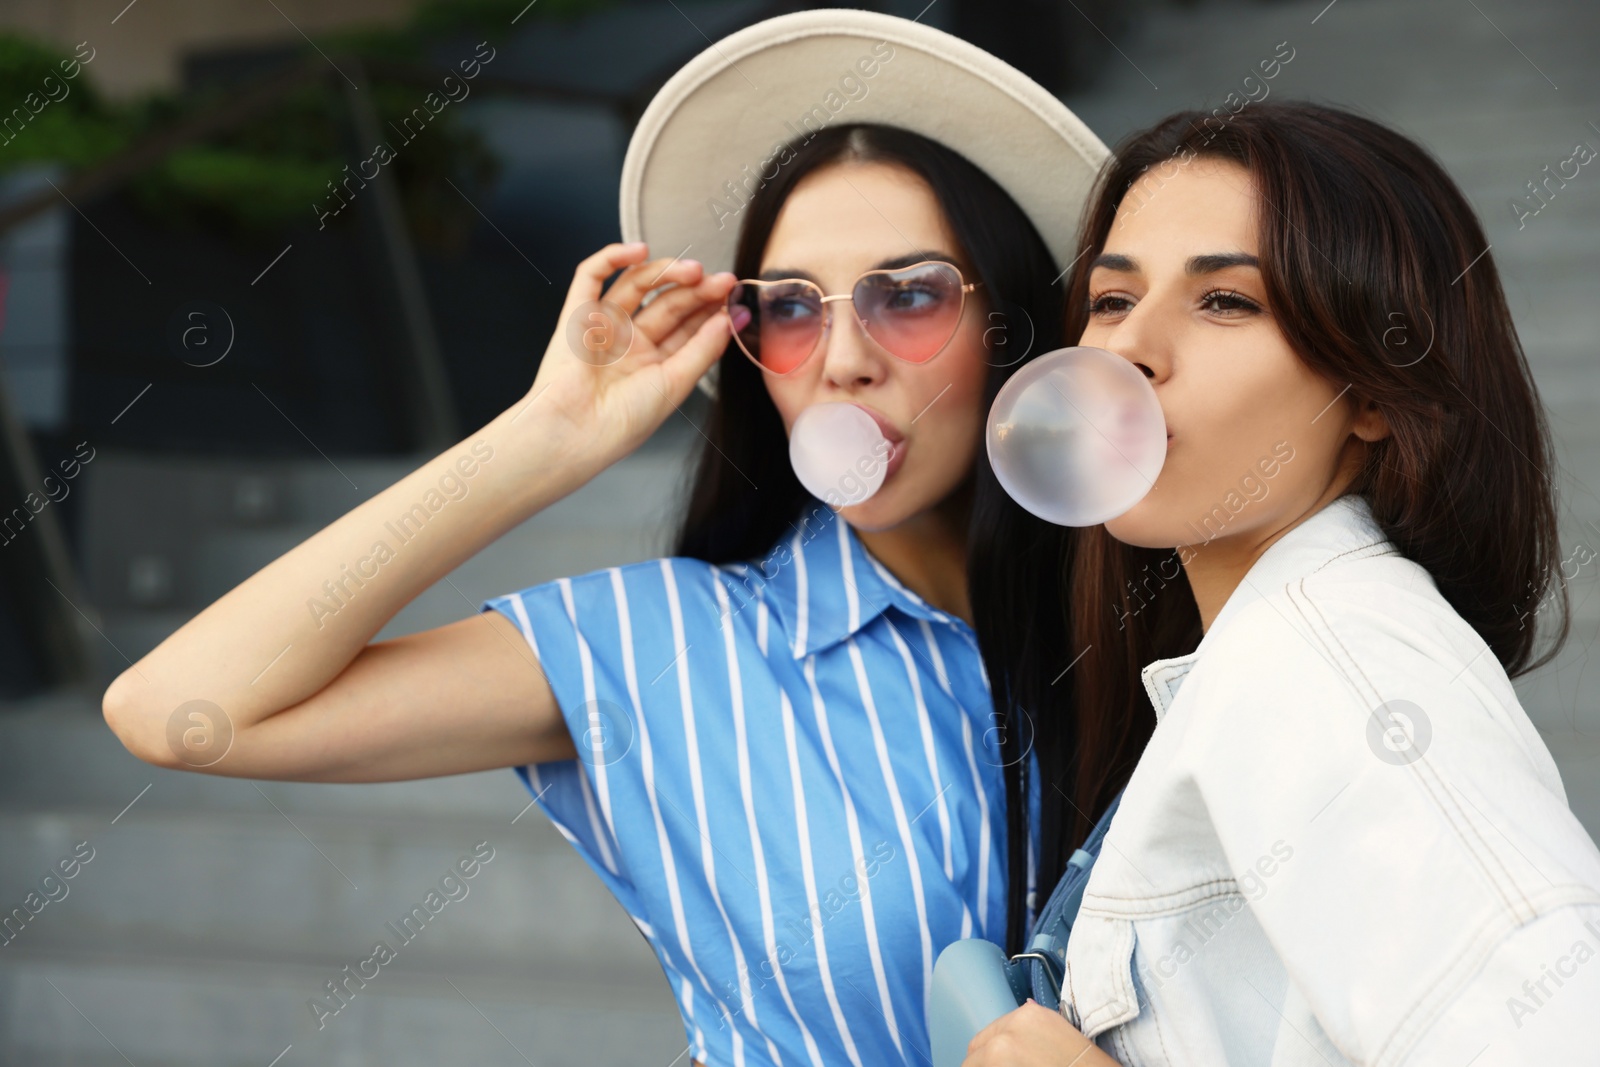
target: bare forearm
286 631
286 656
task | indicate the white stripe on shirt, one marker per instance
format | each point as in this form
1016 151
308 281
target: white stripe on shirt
813 904
648 765
596 765
898 807
977 784
698 790
853 826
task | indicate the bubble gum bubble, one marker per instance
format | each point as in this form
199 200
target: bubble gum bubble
838 451
1077 436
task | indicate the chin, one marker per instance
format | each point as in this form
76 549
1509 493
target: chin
895 502
1144 527
898 501
880 512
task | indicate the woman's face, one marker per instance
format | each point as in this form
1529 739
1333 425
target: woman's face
838 222
1256 440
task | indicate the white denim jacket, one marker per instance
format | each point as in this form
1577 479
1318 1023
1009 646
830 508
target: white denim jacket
1345 842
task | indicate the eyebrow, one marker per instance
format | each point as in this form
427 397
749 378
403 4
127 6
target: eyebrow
779 274
1196 265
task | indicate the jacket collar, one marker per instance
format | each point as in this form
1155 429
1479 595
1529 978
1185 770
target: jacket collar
1343 527
825 586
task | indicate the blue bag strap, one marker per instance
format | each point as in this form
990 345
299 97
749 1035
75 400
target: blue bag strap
1041 967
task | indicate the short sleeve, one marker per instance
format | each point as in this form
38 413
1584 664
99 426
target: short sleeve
569 624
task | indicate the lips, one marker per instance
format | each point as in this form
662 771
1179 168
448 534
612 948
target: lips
896 439
897 456
888 428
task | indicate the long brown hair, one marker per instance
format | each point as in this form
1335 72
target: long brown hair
1376 271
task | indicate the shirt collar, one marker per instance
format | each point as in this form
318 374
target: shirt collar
824 585
1342 527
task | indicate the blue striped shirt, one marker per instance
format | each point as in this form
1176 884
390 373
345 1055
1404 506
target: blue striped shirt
789 776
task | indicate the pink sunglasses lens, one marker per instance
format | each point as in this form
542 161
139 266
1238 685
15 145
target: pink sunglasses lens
781 324
912 313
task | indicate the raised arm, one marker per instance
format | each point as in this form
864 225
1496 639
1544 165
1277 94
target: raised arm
304 693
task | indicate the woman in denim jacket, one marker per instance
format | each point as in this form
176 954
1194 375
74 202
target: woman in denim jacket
1343 841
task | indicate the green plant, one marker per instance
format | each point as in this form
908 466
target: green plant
271 171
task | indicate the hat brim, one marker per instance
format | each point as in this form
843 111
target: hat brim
717 128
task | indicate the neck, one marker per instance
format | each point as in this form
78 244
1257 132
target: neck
1215 568
928 553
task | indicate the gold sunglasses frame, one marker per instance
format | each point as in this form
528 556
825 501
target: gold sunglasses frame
964 288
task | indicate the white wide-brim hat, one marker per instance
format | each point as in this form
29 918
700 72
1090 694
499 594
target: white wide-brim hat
716 127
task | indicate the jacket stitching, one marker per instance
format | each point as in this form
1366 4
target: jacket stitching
1409 1029
1125 1053
1226 886
1120 1035
1431 1002
1123 958
1095 1012
1158 686
1371 548
1166 1054
1403 1034
1072 1004
1125 969
1429 777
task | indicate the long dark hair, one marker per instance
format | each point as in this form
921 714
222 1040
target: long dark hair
1376 272
744 495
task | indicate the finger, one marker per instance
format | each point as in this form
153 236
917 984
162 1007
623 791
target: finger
990 1033
592 273
629 289
984 1036
668 310
689 327
686 366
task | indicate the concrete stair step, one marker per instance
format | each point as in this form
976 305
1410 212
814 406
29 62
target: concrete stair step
204 526
213 909
269 885
268 868
168 1011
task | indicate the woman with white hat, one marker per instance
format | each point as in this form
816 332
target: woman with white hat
776 747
